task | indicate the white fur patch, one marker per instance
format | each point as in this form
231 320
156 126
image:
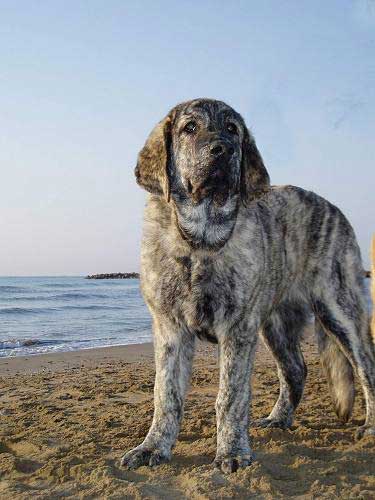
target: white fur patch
204 222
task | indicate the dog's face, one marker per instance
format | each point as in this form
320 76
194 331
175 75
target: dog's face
206 152
203 158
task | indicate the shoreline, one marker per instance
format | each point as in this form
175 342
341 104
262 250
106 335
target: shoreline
90 357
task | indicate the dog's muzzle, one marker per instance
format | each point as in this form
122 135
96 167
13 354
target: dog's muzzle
213 179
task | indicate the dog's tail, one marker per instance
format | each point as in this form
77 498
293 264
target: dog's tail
335 364
373 287
339 373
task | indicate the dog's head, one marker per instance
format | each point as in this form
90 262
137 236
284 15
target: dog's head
204 158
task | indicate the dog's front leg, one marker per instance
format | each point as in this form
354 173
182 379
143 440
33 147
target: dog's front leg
174 351
236 351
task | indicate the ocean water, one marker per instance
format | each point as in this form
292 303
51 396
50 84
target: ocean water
50 314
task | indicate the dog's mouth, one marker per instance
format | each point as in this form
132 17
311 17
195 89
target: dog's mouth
215 186
218 193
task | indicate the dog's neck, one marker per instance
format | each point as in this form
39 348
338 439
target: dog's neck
206 226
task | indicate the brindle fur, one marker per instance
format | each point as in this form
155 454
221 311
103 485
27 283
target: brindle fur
225 256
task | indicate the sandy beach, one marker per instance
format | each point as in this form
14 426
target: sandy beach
66 419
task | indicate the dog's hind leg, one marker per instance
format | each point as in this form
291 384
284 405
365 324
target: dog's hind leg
342 312
281 334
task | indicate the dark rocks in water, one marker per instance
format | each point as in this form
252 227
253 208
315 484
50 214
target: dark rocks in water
367 274
113 276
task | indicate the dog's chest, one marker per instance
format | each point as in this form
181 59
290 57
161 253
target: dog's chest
210 297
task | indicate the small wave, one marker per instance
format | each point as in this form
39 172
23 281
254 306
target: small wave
21 311
59 296
27 298
79 295
21 343
17 343
24 310
93 308
11 289
59 285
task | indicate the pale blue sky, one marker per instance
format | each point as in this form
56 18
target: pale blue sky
82 84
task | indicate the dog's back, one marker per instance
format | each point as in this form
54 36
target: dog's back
317 238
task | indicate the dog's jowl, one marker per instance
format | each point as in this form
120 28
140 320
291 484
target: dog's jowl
226 257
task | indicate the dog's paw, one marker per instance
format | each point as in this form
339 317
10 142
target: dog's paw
229 464
142 456
365 430
275 423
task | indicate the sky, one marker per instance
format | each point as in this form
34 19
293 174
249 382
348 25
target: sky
83 83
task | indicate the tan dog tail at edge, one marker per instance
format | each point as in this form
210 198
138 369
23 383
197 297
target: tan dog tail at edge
373 287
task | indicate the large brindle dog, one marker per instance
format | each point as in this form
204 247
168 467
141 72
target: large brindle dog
225 257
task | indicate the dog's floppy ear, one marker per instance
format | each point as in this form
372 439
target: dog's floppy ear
255 180
151 171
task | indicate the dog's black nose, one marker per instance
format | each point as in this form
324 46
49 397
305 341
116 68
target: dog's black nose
220 148
216 149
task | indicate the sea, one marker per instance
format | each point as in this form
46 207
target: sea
51 314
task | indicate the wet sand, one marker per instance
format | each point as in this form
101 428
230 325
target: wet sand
66 419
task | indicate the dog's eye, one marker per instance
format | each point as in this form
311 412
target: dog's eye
231 127
190 127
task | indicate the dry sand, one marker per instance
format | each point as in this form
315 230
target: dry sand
66 419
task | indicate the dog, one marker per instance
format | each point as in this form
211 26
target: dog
226 257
